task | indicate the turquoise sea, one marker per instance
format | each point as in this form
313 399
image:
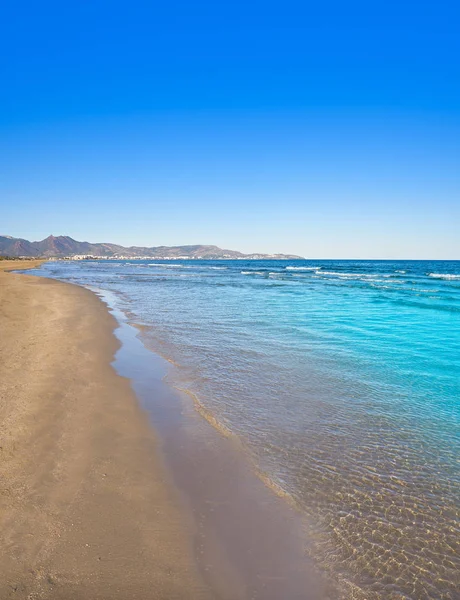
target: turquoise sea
342 381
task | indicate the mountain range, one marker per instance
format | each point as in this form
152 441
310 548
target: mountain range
64 246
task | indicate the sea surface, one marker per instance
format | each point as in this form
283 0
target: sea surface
342 381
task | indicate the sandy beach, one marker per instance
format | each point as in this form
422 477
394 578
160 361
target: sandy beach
87 510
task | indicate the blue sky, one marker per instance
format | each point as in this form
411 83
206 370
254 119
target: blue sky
327 130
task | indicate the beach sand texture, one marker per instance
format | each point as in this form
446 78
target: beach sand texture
86 507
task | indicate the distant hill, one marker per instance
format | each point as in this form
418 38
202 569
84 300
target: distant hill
64 246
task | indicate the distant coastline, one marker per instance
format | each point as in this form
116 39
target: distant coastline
66 247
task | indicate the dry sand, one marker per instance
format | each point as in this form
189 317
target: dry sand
87 510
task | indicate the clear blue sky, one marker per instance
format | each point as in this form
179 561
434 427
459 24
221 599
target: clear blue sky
325 129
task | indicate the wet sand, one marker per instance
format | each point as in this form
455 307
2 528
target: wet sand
87 510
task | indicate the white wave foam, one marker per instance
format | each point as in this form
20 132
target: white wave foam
156 265
253 272
303 268
169 266
447 276
347 275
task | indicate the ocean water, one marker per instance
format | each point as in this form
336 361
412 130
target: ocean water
342 381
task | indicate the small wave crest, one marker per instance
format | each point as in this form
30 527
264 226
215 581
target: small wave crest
303 268
447 276
348 275
169 266
253 272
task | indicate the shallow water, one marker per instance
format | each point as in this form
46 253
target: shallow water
342 380
248 542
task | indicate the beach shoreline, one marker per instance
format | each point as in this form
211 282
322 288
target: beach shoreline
116 487
87 508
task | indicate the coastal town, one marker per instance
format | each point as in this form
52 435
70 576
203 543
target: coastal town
185 257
